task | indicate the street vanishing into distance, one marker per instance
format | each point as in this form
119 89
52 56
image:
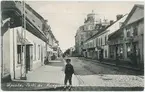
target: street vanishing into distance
72 46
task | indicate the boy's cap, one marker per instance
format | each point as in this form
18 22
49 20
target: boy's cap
68 60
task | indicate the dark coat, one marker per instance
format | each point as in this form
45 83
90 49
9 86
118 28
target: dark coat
69 70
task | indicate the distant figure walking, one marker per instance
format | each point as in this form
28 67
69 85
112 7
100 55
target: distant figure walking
69 70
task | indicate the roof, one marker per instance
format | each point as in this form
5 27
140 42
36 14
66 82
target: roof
118 32
132 11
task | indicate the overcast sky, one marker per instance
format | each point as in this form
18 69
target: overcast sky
65 17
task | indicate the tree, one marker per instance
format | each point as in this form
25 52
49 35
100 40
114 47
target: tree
67 52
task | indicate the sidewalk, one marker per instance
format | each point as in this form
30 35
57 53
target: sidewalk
49 77
51 73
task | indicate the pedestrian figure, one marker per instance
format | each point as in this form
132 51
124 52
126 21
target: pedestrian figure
69 70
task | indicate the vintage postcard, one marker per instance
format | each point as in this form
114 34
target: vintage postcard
72 45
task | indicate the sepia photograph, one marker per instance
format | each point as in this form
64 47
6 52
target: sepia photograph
72 45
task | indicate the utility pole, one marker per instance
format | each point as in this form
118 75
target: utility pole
23 33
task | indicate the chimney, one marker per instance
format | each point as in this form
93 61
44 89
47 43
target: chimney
119 16
111 22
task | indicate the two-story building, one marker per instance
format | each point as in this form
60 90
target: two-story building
126 44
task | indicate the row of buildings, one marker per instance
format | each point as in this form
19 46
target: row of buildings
26 40
121 39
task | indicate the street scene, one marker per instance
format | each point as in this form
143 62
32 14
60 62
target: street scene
72 46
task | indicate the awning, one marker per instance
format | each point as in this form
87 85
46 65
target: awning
23 41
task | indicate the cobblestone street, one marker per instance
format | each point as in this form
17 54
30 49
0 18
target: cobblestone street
95 74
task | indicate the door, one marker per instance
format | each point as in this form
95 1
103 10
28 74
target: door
28 58
31 57
116 52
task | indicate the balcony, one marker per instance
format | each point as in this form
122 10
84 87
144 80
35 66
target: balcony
9 10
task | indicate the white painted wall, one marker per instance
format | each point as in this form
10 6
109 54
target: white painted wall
31 38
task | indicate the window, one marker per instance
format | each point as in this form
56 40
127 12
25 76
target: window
128 32
19 54
135 30
38 52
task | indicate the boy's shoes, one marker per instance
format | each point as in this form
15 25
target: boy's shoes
65 86
70 86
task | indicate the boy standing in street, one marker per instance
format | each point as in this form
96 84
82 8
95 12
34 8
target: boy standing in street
69 70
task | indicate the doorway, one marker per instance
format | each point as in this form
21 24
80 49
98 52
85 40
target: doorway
28 58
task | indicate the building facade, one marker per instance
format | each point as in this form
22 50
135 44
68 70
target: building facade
127 43
23 40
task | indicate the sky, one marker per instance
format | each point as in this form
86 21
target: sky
65 17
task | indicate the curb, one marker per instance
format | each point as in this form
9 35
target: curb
136 69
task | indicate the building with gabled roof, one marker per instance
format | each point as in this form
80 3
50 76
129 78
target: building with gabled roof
127 43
